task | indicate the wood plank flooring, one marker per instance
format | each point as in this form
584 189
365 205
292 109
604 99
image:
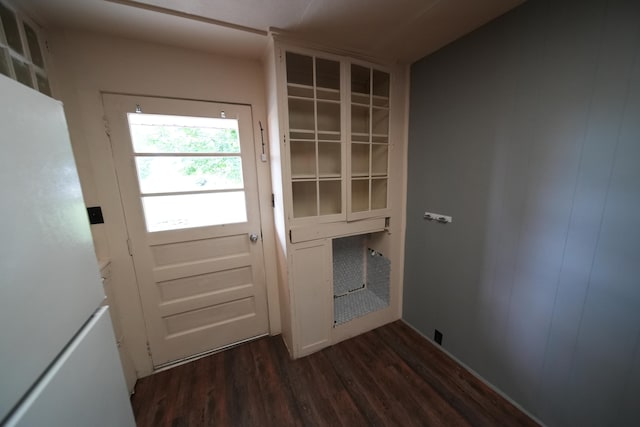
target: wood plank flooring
387 377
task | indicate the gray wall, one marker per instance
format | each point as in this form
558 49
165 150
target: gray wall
527 132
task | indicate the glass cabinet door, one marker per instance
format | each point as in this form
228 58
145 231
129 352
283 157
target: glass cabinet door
369 148
315 135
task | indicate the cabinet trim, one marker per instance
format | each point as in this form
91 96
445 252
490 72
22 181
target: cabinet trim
337 229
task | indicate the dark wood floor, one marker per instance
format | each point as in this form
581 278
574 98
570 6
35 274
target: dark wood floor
388 377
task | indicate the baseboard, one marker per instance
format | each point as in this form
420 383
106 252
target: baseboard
475 374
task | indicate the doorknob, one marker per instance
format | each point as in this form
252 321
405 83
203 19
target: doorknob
253 237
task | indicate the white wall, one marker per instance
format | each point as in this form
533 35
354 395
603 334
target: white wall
83 66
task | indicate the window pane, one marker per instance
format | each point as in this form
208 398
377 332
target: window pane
43 84
23 75
34 46
173 174
299 69
155 133
11 31
4 63
194 210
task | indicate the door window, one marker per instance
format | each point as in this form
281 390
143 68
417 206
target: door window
189 170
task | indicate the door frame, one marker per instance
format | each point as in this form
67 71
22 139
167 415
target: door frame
139 351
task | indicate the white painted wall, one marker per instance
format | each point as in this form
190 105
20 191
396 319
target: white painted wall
83 65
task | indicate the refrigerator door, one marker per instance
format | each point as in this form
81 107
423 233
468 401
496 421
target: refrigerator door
49 279
84 387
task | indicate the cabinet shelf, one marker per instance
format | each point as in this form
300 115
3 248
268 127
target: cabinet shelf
328 94
304 98
328 101
299 90
301 131
313 177
327 90
380 101
360 98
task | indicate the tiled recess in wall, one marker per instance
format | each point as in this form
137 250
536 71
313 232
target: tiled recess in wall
360 278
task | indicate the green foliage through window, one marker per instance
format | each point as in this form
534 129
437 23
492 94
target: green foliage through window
189 140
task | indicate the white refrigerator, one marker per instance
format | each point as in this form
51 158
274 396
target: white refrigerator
59 365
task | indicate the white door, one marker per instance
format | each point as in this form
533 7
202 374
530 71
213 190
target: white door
187 177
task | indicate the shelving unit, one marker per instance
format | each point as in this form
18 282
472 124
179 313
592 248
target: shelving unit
331 145
21 53
316 138
369 97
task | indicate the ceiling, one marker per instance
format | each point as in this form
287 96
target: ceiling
398 30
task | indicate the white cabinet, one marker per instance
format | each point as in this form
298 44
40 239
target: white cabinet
311 295
337 130
332 139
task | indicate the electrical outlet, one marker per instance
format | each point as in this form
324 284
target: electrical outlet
442 219
437 336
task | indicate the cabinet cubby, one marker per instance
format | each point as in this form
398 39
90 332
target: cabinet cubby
380 121
359 160
301 114
360 119
329 159
379 159
303 159
327 74
328 119
299 69
360 80
361 278
330 197
378 193
360 194
305 199
381 85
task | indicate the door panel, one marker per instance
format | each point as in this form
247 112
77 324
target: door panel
186 171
